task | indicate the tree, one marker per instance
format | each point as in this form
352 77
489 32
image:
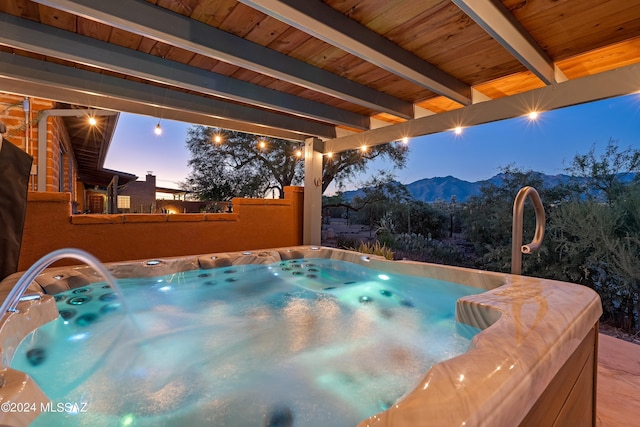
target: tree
345 165
228 164
380 193
241 164
605 173
597 244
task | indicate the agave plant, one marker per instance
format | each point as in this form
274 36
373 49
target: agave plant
374 249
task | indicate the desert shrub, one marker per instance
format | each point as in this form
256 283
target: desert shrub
347 242
420 218
374 249
417 247
597 245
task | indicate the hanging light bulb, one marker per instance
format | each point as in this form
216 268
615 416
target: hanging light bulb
298 152
217 138
457 130
262 144
533 115
92 121
158 129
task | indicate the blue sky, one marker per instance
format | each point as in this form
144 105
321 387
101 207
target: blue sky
136 149
547 145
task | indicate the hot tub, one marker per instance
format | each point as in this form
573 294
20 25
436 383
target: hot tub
534 363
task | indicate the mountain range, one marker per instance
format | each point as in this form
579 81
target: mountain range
443 188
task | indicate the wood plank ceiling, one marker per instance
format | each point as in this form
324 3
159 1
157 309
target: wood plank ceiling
339 70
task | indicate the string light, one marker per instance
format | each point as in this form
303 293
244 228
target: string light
92 121
217 138
158 129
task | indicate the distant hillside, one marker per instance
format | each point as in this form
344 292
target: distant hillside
432 189
442 188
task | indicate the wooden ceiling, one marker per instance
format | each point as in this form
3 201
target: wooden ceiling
344 71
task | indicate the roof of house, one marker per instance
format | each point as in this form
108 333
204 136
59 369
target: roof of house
90 145
345 71
168 190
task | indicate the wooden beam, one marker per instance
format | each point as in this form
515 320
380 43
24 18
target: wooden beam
496 20
24 34
609 84
143 18
329 25
65 95
109 92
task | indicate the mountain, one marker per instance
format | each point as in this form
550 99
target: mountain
442 188
432 189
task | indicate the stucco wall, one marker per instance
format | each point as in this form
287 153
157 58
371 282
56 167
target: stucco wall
254 224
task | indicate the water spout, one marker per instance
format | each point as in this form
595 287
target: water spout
16 295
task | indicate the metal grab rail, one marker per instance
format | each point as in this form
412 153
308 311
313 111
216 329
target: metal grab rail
517 248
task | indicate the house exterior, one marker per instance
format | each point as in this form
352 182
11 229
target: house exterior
68 152
72 200
138 196
142 197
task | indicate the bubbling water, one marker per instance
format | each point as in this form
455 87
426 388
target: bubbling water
302 342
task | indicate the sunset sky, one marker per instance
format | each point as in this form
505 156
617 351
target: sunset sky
547 145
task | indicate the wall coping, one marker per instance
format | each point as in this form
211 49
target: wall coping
89 219
281 202
48 196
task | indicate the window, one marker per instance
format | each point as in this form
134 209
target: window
124 202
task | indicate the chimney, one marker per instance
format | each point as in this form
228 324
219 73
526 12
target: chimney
151 179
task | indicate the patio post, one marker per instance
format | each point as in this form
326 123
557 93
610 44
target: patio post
312 221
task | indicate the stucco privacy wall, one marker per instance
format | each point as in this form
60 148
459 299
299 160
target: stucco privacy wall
254 224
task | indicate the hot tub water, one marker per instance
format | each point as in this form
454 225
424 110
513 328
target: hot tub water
311 342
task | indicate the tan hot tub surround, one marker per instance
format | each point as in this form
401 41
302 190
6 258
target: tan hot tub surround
534 363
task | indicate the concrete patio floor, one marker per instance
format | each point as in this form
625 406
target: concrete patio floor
618 402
